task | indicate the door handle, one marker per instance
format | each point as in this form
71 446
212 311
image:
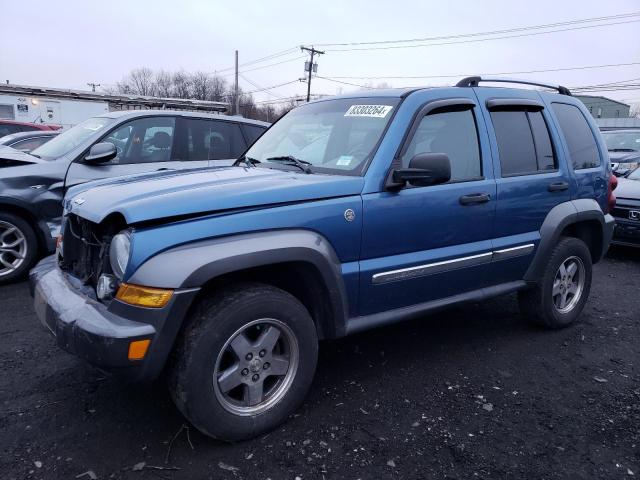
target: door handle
558 186
474 198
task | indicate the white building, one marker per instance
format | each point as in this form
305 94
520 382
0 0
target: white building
69 107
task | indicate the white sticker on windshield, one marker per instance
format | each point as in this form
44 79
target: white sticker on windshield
344 160
376 111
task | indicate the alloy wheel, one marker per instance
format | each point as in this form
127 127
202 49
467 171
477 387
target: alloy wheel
568 284
13 248
256 367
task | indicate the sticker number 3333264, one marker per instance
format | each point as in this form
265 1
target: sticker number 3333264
379 111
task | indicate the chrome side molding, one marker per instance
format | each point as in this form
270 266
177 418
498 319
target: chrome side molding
453 264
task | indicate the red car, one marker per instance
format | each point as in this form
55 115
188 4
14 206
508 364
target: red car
7 127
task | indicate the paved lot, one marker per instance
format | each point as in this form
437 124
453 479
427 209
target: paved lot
473 392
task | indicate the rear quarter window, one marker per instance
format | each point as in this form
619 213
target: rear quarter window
581 143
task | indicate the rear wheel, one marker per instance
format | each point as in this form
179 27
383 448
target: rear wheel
245 362
18 247
559 297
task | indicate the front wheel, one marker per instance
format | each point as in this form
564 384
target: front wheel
559 297
18 247
244 362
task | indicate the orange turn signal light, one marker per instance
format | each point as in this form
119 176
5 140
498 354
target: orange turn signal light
138 349
144 296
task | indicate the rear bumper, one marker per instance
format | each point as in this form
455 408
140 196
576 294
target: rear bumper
607 234
101 334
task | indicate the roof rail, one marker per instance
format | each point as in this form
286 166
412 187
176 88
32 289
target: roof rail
474 82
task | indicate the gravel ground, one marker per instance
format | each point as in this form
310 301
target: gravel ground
473 392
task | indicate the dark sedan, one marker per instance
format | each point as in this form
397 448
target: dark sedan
627 211
27 141
624 150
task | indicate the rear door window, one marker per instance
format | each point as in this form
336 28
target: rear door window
212 140
252 133
581 143
524 145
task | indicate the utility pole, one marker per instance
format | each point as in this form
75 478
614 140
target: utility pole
313 52
237 96
93 85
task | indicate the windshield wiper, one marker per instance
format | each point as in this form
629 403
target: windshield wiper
248 161
622 150
291 160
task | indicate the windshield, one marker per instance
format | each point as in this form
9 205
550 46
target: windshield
635 175
67 141
336 136
622 141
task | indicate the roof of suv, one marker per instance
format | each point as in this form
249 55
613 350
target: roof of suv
469 82
181 113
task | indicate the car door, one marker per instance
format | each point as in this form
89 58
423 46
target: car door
530 178
143 144
421 244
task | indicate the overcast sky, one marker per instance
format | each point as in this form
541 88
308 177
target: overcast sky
69 43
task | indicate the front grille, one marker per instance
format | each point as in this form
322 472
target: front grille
622 212
85 249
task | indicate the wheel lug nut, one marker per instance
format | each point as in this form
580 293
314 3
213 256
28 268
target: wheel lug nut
255 378
266 365
245 372
249 356
262 353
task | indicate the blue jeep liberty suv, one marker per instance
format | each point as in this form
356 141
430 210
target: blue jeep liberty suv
349 213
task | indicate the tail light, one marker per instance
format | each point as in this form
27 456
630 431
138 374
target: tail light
611 197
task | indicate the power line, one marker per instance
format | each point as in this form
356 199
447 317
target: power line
261 59
462 75
481 39
265 66
493 32
265 89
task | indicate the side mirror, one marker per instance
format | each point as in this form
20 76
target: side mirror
101 153
424 169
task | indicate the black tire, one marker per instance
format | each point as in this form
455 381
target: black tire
538 304
215 322
31 248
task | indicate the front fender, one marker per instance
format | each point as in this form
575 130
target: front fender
194 264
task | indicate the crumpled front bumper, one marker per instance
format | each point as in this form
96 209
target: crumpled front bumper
101 334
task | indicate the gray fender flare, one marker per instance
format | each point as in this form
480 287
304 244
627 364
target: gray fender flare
194 264
560 217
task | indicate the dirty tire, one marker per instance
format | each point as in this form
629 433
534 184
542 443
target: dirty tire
31 243
537 304
193 373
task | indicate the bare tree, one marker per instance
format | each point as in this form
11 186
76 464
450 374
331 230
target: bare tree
164 84
634 112
199 85
140 82
218 89
181 85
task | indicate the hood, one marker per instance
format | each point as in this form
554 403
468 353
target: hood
628 189
10 157
173 194
622 157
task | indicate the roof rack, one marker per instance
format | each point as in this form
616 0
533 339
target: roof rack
474 82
